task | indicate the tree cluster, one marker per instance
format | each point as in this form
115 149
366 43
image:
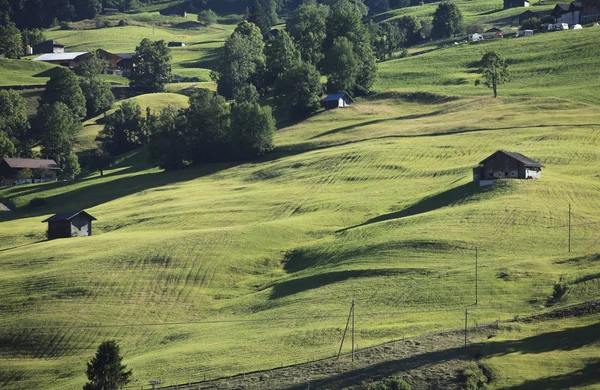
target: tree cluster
390 37
447 21
211 130
151 66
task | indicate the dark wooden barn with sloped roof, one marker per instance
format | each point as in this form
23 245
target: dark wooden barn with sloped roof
507 165
70 224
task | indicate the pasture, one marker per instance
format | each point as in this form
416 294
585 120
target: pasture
227 268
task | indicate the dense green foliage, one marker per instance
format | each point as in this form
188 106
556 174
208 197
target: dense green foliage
494 70
281 54
258 16
10 41
105 371
97 92
298 90
532 24
307 25
14 123
207 17
241 59
64 87
56 126
390 384
447 21
125 129
151 66
7 148
252 130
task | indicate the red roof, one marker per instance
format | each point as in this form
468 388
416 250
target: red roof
31 163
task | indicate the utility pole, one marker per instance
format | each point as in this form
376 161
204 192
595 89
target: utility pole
569 227
476 275
466 319
353 330
345 330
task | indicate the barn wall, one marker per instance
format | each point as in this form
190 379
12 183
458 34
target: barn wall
80 227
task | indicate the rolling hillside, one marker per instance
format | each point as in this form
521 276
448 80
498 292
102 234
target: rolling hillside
227 268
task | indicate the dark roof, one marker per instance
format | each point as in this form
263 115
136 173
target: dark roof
337 96
559 9
576 5
67 216
126 56
493 29
31 163
517 156
53 42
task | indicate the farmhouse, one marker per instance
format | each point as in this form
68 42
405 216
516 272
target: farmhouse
70 224
50 46
515 3
42 170
338 100
506 165
69 60
118 64
567 13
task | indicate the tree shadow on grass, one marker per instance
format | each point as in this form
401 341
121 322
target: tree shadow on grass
48 73
563 340
294 286
443 199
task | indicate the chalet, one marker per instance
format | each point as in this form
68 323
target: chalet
176 44
338 100
506 165
111 59
515 3
42 170
50 46
69 60
70 224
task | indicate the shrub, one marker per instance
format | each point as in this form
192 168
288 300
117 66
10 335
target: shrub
393 383
474 377
37 202
532 24
404 53
65 26
122 23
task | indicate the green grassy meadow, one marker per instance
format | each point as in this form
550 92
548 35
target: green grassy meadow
227 268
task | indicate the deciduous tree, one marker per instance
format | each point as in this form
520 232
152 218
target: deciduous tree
281 54
10 41
447 21
151 66
298 90
241 59
252 130
307 25
56 125
7 148
64 87
207 17
168 143
124 130
494 70
13 120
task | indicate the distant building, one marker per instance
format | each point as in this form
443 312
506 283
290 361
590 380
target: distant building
338 100
506 165
176 44
10 167
50 46
110 11
519 19
515 3
70 224
567 13
69 60
126 63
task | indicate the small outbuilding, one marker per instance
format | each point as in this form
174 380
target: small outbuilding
70 224
176 44
506 165
338 100
49 46
515 3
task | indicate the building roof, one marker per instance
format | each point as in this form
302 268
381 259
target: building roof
517 156
31 163
68 216
337 96
60 56
52 41
126 56
559 9
493 30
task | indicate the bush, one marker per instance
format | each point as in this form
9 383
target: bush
65 26
404 53
474 377
122 23
37 202
532 24
393 383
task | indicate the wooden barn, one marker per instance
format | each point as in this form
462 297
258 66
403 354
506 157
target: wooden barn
49 46
70 224
506 165
41 170
338 100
